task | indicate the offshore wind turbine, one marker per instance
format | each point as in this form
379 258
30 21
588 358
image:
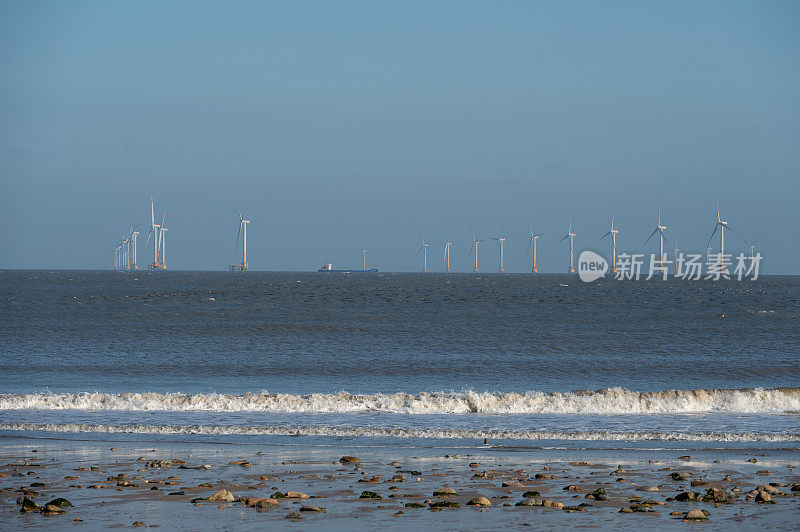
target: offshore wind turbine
447 245
721 225
661 239
475 243
155 233
364 253
751 246
613 234
534 238
571 237
242 232
424 249
501 240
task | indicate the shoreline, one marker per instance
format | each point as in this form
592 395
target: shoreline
131 483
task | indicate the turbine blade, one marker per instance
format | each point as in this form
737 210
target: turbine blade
714 232
504 227
530 243
565 237
605 235
237 238
651 235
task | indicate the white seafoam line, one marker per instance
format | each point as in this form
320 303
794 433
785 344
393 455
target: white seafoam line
610 401
266 430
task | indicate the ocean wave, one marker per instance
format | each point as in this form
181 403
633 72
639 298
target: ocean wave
339 431
610 401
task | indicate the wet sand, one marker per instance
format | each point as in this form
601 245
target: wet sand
186 486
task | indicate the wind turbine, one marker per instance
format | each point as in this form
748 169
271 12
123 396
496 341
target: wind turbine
613 234
661 239
242 232
501 240
447 245
155 233
424 249
751 246
571 237
675 258
534 238
721 225
364 253
475 243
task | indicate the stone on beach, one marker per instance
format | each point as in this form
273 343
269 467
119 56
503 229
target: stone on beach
369 495
52 509
158 463
310 509
294 515
261 502
60 502
690 496
479 501
349 460
445 504
444 492
512 484
695 515
414 505
27 505
222 495
679 475
599 494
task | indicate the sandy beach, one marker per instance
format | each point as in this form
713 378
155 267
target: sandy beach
98 485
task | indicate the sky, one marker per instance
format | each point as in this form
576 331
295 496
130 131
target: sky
350 125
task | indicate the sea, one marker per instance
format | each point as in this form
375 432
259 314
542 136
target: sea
400 359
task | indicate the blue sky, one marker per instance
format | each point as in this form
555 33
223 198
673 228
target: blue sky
343 125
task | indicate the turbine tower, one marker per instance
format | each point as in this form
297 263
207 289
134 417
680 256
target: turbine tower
243 233
501 240
721 225
475 243
134 235
447 245
424 249
532 242
613 234
364 253
571 237
661 239
163 239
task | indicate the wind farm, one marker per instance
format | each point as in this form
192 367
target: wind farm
125 250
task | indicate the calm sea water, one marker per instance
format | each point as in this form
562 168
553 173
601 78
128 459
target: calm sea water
400 356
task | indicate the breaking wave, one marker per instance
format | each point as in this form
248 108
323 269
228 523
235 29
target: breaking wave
225 430
611 401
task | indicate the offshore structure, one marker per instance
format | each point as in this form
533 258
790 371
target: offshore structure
243 233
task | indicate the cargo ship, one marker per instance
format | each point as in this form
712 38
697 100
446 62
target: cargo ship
328 268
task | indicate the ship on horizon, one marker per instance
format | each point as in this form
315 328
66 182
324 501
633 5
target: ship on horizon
327 267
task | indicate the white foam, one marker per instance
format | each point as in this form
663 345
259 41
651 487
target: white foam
339 431
601 402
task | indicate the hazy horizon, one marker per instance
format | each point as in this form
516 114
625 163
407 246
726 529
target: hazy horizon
361 125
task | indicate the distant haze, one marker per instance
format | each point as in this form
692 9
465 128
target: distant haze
350 125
